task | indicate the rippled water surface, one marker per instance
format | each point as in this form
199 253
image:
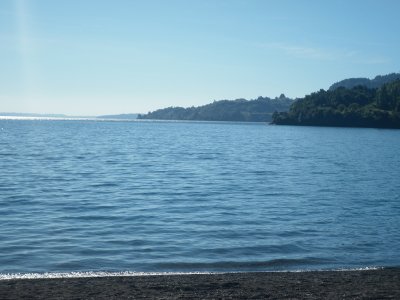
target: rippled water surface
176 196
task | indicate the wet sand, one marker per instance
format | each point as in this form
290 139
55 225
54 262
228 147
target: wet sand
369 284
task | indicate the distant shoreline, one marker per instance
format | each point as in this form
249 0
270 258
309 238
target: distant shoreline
382 283
332 126
98 119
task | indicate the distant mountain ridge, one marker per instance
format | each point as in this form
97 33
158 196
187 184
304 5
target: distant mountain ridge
375 83
242 110
119 116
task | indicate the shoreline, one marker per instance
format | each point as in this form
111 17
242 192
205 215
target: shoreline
97 274
349 284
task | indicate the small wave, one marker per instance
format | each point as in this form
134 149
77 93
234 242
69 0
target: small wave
371 268
55 275
247 266
90 274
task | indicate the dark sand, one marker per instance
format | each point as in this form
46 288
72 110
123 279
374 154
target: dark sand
371 284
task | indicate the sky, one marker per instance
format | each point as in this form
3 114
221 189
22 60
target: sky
94 57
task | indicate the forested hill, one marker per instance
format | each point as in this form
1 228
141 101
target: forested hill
258 110
356 107
377 82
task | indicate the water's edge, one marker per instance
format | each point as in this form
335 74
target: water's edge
96 274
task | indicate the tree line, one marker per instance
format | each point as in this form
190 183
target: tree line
257 110
359 106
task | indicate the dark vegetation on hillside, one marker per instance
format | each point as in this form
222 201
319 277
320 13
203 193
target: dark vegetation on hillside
375 83
354 102
258 110
356 107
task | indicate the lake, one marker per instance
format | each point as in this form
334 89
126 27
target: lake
147 196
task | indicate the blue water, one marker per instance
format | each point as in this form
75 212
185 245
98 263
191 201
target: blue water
183 196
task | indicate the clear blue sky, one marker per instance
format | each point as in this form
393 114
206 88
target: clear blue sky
91 57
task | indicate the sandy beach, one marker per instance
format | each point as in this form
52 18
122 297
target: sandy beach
366 284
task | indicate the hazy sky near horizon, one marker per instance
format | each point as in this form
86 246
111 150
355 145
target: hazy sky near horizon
93 57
